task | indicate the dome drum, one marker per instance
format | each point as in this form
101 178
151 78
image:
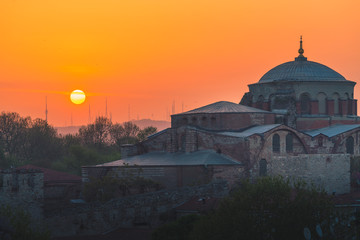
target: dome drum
304 89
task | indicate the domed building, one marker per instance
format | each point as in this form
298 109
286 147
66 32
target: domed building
299 120
310 94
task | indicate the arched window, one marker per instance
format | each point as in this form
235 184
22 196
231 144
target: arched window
322 103
336 97
259 102
350 145
305 103
204 121
271 101
320 141
289 142
276 143
350 107
262 168
183 142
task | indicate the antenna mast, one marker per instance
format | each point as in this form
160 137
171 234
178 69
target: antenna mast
129 113
46 109
89 115
106 115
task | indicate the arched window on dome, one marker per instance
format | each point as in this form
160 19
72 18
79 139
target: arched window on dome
305 102
350 145
349 104
321 97
259 102
276 143
336 98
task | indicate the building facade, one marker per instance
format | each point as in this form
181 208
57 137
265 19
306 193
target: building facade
299 120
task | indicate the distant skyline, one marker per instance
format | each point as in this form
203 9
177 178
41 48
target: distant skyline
160 56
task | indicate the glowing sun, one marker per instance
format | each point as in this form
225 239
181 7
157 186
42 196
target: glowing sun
77 96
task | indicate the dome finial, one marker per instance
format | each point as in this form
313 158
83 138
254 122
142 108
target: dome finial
301 51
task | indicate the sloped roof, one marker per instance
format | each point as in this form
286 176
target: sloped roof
52 175
224 107
332 130
251 131
204 157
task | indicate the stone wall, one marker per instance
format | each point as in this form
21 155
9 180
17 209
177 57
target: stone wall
125 212
332 171
23 189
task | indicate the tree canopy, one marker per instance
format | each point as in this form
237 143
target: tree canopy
27 141
270 208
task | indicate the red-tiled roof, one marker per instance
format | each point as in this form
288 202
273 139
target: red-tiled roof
52 176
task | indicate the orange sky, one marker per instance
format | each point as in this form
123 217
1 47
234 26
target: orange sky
149 53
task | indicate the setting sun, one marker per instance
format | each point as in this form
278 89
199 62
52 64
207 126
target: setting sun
77 96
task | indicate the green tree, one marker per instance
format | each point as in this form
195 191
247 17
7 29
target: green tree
178 230
20 225
272 208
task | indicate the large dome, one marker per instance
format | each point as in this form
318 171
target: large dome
301 70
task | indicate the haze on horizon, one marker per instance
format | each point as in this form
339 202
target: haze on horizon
148 54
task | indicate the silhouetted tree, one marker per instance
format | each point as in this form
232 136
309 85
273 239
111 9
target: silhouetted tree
96 134
144 133
117 133
13 130
43 146
131 131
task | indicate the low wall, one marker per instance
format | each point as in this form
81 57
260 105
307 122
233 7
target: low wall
97 218
331 171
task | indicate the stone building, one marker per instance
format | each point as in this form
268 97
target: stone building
24 189
299 120
57 185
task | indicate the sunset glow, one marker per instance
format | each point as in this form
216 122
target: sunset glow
146 56
77 97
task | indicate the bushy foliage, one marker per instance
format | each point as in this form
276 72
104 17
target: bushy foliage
178 230
270 208
19 227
